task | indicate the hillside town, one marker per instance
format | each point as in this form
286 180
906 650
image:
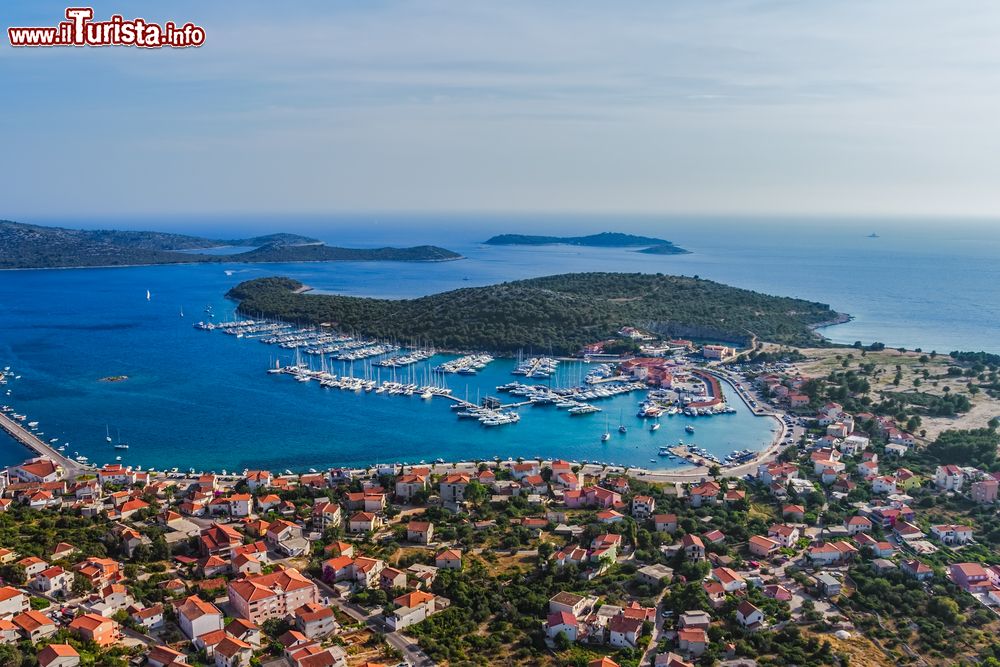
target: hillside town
525 561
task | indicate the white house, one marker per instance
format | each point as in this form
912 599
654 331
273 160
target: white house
948 478
198 617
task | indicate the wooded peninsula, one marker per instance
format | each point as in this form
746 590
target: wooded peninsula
555 314
36 247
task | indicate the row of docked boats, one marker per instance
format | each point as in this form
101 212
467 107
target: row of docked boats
489 416
599 373
653 407
539 368
319 341
4 375
33 426
467 365
332 381
542 394
409 359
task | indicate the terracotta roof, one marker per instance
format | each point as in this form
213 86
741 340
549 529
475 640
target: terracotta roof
194 607
230 646
30 621
560 618
89 622
54 651
313 612
262 586
413 599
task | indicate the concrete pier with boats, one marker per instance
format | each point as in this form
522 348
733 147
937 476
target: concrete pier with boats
14 429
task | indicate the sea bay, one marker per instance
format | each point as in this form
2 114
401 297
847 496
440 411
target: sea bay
203 400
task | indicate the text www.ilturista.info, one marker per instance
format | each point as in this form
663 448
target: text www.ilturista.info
81 30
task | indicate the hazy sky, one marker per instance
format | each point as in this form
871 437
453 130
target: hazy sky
842 108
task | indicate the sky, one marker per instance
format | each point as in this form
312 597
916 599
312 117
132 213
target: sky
758 108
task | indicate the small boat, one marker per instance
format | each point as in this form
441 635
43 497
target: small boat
654 426
107 433
148 296
607 434
689 429
182 312
118 458
121 445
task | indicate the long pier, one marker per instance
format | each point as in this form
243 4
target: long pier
36 445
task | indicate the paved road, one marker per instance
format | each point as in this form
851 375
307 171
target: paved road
411 652
654 639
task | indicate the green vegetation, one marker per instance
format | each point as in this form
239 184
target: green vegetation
665 249
33 246
279 252
900 611
557 314
976 447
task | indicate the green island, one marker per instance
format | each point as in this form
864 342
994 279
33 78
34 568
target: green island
558 313
653 246
25 246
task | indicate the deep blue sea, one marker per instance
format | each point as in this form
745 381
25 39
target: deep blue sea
203 400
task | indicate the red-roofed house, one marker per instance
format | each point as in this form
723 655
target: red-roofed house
561 621
694 548
274 595
450 559
91 627
969 576
665 523
58 655
198 617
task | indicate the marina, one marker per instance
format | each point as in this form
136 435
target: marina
202 398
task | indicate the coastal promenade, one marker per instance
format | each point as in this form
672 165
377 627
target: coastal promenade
36 445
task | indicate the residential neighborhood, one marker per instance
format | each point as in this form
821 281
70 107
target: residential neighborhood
835 541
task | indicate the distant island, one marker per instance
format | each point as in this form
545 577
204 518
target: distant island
653 246
556 314
279 252
37 247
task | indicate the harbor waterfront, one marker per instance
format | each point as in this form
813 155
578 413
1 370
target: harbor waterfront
298 425
195 400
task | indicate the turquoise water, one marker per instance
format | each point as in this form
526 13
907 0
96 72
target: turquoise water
196 399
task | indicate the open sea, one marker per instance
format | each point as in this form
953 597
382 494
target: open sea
203 400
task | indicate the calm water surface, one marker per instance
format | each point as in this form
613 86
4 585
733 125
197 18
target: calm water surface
196 399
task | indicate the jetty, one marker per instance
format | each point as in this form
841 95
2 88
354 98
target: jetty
683 452
40 448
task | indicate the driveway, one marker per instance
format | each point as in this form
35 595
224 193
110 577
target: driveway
410 650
